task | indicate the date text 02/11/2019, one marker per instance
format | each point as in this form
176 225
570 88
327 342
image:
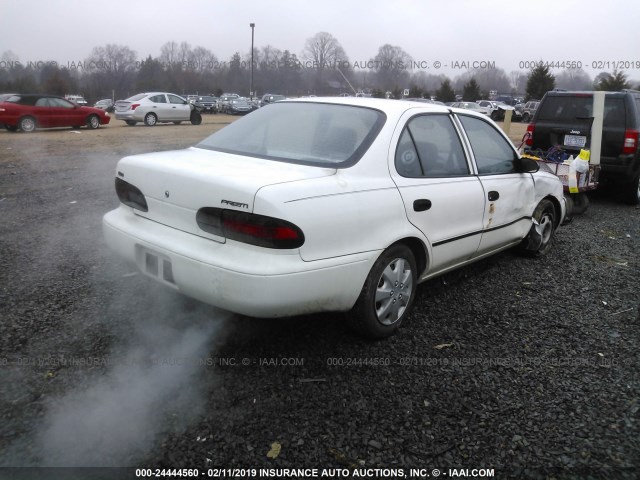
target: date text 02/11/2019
577 64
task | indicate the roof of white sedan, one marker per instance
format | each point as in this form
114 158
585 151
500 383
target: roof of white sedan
383 104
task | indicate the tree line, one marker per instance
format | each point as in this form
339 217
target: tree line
321 68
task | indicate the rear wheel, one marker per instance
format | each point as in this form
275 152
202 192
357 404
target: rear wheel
538 240
131 123
177 123
196 118
27 124
11 128
580 203
526 117
387 295
150 119
631 194
93 122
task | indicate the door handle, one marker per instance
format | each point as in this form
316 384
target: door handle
493 196
421 205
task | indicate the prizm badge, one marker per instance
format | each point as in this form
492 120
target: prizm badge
574 132
234 204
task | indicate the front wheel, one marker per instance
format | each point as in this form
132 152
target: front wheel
538 240
11 128
93 122
150 119
387 295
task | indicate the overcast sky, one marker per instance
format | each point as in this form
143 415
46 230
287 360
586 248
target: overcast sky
501 31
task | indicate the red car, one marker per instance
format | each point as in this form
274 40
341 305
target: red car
30 111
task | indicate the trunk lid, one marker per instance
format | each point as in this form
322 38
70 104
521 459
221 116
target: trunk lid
176 184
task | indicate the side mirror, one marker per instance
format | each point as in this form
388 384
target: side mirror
526 165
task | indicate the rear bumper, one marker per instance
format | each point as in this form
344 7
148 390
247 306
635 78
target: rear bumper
248 280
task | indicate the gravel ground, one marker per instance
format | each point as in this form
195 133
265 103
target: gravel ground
528 367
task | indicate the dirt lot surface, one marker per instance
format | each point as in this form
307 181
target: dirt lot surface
528 367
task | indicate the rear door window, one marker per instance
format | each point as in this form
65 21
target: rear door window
430 147
493 153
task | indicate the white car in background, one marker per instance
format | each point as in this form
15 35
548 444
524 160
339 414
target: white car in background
156 107
473 106
77 99
498 109
341 204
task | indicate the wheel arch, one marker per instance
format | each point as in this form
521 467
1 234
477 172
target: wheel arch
419 250
556 207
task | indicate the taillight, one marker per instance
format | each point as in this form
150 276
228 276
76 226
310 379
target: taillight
630 142
250 228
529 135
134 106
130 195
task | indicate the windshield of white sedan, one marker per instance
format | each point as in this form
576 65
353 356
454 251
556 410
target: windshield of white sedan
298 132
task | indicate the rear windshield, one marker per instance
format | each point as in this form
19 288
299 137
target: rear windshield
10 98
135 98
579 109
320 134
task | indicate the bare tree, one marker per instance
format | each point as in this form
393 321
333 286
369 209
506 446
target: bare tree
323 53
112 69
170 55
391 66
574 79
203 59
518 81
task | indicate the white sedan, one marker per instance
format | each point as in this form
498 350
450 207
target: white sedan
156 107
341 204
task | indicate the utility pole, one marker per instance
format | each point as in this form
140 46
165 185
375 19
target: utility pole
252 25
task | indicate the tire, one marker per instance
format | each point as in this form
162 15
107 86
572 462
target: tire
27 124
196 118
150 119
131 123
569 205
525 117
631 194
11 128
93 122
387 295
539 239
580 203
177 123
